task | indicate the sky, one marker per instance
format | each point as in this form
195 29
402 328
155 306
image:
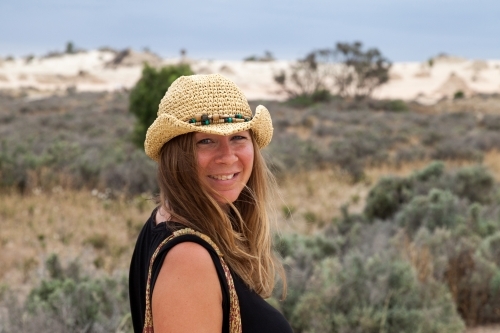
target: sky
403 30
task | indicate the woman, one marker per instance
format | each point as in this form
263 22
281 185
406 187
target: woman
213 180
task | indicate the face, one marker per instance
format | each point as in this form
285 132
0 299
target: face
225 162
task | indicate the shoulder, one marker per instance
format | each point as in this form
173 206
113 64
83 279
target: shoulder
187 287
188 266
188 255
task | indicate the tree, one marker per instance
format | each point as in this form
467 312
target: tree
347 70
360 72
70 48
308 80
147 94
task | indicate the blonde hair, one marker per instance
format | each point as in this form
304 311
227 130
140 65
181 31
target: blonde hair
243 234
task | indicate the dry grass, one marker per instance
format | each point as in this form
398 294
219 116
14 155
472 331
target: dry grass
491 161
315 198
101 233
98 232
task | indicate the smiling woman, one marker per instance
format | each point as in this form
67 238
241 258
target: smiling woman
225 163
203 261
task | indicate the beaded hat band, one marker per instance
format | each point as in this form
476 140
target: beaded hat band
207 104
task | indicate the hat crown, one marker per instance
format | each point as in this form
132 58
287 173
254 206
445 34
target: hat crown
211 94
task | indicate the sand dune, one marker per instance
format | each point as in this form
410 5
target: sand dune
107 70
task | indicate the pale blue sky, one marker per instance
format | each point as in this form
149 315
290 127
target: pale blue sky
404 30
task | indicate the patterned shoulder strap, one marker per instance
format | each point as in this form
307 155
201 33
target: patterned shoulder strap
234 306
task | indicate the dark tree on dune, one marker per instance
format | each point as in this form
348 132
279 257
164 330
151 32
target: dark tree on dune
346 70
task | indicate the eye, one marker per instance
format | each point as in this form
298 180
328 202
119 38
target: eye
204 141
239 137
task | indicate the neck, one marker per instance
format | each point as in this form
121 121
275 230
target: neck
162 215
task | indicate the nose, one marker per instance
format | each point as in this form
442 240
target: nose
225 153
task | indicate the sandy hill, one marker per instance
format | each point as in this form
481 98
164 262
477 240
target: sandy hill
100 70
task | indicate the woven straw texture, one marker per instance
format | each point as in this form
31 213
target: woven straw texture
189 96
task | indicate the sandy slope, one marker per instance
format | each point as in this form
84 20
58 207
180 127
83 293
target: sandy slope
107 70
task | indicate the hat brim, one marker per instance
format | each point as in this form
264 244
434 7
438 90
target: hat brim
165 127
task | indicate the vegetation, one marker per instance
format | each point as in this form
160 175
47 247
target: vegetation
347 70
70 48
458 94
82 140
268 56
68 301
307 83
422 257
361 71
365 252
147 94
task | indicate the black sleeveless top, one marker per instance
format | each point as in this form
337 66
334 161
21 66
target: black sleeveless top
256 314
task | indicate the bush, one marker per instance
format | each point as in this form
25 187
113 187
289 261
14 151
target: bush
459 94
391 194
474 183
300 254
439 209
393 105
396 105
387 197
464 262
66 301
374 295
147 94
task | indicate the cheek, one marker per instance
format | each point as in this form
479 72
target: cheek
247 159
202 162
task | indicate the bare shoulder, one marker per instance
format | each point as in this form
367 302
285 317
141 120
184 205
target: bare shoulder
189 255
187 287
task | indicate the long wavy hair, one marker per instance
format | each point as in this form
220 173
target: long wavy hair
242 232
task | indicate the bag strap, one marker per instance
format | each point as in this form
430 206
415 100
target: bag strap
234 306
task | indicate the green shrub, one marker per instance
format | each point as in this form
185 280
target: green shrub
439 209
397 105
490 248
474 183
393 105
305 100
459 94
375 295
387 197
300 254
67 301
432 172
390 194
147 94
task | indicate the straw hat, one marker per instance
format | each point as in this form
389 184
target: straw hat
208 104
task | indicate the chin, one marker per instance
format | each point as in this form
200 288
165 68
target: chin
224 199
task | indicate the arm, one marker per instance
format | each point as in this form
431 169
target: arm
187 296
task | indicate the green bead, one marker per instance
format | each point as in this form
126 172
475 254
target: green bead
206 122
229 120
192 120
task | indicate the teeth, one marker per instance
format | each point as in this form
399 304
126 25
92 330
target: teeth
222 177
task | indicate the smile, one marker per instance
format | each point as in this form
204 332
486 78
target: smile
222 177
